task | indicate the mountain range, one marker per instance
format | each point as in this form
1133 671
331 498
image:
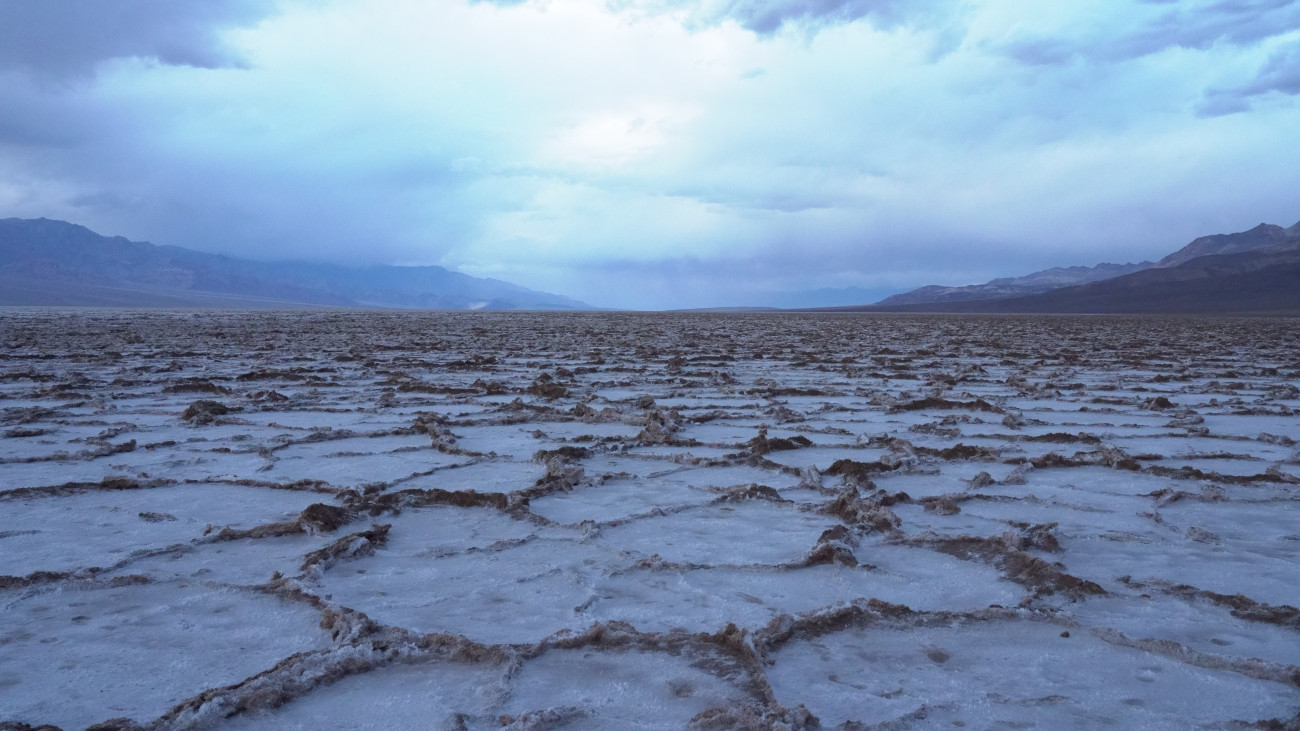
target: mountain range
1006 287
1251 271
47 262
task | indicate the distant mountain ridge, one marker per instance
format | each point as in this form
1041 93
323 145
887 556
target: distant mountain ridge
1264 237
1255 271
48 262
1005 287
1245 282
1245 271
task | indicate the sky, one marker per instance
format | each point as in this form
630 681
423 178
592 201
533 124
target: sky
658 153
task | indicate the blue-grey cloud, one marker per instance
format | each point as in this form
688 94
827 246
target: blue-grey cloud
1238 22
766 17
1280 74
1042 51
1195 26
58 39
624 152
33 118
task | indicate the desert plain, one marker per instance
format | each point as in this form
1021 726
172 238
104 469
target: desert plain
346 519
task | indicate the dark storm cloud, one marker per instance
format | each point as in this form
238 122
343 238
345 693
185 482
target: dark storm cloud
58 39
31 118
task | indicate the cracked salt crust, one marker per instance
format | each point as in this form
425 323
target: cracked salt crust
610 520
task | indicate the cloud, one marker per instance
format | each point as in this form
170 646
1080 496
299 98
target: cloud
1200 26
1042 51
31 117
62 39
1280 74
769 16
766 17
653 153
1120 31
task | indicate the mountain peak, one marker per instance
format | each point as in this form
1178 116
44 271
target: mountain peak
1264 237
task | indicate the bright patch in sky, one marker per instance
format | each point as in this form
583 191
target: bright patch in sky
658 153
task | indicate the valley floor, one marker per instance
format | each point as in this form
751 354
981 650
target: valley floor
335 520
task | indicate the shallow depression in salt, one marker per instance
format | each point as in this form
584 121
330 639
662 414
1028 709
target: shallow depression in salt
511 595
703 599
722 534
620 689
424 695
76 656
1009 674
99 529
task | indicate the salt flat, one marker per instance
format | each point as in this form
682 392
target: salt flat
341 519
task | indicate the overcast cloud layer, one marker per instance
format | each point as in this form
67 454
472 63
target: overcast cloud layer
658 153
